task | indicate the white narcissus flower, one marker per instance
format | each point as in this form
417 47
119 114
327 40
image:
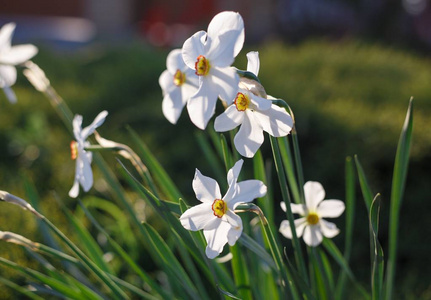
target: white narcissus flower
210 54
311 226
83 173
215 215
10 56
178 84
255 115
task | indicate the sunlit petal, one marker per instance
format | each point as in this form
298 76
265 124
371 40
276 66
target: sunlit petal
197 217
329 229
253 63
249 137
206 188
312 235
201 106
216 239
230 119
286 231
314 194
226 21
18 54
100 118
275 120
330 208
192 48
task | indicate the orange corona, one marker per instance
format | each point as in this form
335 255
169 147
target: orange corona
242 102
74 149
179 78
202 66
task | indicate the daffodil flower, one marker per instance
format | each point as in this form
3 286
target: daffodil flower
255 115
312 227
210 54
83 173
215 215
10 56
178 84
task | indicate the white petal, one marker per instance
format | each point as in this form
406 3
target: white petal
77 122
233 173
314 194
191 78
18 54
216 239
7 76
201 106
221 49
312 235
6 33
74 191
330 208
166 82
172 105
228 120
85 173
286 231
329 229
188 90
10 94
226 21
276 121
100 118
233 219
175 61
260 103
192 48
197 217
249 137
234 234
253 63
226 82
300 209
247 191
206 188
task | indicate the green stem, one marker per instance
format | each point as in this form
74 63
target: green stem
286 198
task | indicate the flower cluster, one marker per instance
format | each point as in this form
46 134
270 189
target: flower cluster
200 73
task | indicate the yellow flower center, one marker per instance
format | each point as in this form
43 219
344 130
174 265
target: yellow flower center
179 78
242 102
312 219
202 66
219 208
74 149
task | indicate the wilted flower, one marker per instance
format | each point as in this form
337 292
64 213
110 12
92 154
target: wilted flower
83 173
311 226
210 54
178 84
255 115
10 56
215 215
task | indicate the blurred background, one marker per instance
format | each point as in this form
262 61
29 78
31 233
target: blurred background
347 69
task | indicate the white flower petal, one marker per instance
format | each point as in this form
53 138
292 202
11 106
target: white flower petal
6 33
275 120
175 61
221 50
253 63
197 217
247 191
216 239
226 82
18 54
74 191
249 137
172 105
192 48
234 234
191 78
7 76
233 173
300 209
201 106
206 188
10 94
83 165
312 235
260 103
329 229
233 219
166 82
100 118
330 208
314 194
77 122
228 120
226 21
286 231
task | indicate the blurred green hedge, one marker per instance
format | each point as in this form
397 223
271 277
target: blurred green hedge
348 98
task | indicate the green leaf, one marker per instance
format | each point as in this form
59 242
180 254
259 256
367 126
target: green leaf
398 184
365 187
20 289
377 258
